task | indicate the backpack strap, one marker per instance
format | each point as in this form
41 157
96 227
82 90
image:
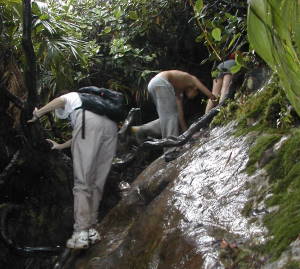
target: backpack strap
83 124
82 121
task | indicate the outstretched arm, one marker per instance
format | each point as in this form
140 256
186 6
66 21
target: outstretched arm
181 118
203 88
58 146
58 102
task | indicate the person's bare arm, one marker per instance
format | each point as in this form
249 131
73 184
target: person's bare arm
58 146
203 88
58 102
181 118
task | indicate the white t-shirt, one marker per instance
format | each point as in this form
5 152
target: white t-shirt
73 101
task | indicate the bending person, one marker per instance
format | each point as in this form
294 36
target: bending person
92 159
167 90
221 83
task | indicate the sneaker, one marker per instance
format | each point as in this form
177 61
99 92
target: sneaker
79 240
94 236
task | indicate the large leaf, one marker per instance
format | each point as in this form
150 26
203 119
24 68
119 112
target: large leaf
273 31
258 32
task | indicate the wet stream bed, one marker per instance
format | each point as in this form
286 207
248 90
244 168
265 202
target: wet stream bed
183 214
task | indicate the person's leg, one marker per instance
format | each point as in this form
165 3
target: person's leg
225 86
150 129
167 112
165 101
106 144
84 152
216 90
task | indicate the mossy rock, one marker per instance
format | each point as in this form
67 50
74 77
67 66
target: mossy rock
293 265
261 145
284 172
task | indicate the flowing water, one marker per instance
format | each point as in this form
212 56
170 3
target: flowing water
181 214
211 192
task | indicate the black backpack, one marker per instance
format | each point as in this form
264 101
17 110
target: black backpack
102 102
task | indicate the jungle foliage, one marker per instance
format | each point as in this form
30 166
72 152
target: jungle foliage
122 43
274 32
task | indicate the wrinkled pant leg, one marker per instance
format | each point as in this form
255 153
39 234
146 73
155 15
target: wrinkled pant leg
165 101
151 129
106 153
85 153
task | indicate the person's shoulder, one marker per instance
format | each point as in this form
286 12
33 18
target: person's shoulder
176 72
70 95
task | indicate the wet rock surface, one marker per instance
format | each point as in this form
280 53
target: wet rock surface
183 214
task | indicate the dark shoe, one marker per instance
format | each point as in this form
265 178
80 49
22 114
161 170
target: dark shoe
172 155
132 118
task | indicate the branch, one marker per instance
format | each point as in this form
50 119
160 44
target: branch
30 67
10 168
32 132
14 99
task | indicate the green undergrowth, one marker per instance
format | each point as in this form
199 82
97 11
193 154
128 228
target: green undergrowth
262 143
258 111
284 172
268 116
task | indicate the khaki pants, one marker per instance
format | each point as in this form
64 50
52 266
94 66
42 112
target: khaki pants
163 95
92 159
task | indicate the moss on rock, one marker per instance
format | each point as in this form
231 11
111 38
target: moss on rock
284 172
262 143
267 115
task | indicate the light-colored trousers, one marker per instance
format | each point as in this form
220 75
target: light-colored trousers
92 159
163 95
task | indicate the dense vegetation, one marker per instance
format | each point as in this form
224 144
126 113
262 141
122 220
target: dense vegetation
120 44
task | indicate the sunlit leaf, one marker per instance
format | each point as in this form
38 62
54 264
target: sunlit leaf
235 37
236 68
117 13
107 30
215 73
216 34
133 15
42 7
198 6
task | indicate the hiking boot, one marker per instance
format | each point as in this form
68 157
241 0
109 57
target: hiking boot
94 236
132 118
79 240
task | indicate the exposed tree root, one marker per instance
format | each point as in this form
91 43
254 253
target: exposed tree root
14 99
10 168
38 252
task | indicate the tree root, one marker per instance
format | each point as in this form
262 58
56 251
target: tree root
14 99
10 168
38 252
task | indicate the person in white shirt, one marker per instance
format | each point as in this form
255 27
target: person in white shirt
92 158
